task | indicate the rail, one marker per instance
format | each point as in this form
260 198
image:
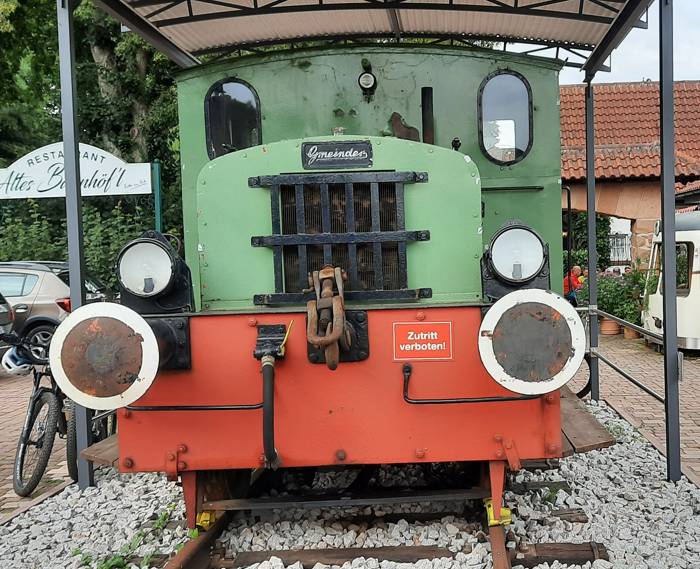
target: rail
594 352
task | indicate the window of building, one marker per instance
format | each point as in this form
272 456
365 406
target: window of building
505 117
232 115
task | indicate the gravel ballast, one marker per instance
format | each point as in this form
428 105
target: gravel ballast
643 521
74 528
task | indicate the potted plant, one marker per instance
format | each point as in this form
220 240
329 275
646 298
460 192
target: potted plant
610 299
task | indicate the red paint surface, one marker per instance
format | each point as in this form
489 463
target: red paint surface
358 408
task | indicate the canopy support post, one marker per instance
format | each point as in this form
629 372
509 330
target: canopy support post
592 249
74 220
668 224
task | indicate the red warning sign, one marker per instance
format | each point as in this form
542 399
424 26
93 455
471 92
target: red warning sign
422 340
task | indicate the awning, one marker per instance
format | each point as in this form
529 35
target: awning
185 29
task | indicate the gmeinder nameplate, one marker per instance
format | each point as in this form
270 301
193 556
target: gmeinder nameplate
334 155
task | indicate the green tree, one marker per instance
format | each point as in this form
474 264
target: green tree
127 105
580 240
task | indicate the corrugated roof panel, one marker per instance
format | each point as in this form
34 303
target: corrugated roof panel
183 27
255 29
507 26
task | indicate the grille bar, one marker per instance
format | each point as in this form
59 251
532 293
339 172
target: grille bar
353 220
401 225
301 228
350 295
339 238
377 246
337 178
326 223
277 228
350 226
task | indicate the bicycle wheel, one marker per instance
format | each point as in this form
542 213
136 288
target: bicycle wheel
71 441
35 444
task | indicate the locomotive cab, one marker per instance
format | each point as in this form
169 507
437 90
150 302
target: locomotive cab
351 295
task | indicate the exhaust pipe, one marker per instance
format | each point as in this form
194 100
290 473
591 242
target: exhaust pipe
426 95
106 356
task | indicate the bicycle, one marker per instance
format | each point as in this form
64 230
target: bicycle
49 412
44 418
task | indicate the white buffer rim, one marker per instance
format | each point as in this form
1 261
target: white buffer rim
573 321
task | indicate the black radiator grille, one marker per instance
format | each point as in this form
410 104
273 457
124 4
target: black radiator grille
317 257
352 220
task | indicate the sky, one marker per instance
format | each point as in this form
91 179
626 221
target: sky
637 58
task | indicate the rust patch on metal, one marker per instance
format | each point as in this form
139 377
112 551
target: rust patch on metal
403 130
532 342
102 356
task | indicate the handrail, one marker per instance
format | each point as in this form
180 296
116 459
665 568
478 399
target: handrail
642 331
596 353
631 378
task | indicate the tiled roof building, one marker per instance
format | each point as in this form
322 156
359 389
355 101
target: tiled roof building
627 161
627 131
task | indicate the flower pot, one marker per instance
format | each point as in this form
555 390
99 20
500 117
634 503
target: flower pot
609 327
630 334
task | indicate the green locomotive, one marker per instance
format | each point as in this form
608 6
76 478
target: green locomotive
377 226
285 97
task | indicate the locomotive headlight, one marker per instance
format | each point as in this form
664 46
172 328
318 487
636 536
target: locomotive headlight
367 81
146 268
517 254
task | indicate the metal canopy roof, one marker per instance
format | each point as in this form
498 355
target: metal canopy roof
184 29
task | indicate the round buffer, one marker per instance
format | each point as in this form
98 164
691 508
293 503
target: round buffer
104 356
532 341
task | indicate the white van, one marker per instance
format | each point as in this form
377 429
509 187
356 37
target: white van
687 282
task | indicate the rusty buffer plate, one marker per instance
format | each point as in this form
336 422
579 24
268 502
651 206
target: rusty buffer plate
104 356
532 341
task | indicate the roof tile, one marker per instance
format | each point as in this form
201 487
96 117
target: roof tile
627 130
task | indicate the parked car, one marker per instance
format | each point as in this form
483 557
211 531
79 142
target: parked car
6 316
6 321
39 294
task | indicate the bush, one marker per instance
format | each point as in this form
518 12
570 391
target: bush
620 295
29 234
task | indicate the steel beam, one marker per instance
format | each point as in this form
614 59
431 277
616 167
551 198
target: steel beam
592 249
229 48
628 18
668 259
284 7
140 25
74 220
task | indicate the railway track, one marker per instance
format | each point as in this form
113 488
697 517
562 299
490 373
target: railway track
461 510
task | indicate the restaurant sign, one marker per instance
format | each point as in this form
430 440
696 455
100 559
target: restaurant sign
40 174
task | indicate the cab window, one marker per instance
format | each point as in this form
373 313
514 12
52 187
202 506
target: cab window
232 114
505 117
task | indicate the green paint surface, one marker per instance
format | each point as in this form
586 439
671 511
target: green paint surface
307 94
230 212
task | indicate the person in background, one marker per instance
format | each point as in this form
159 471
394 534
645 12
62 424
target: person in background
572 283
584 277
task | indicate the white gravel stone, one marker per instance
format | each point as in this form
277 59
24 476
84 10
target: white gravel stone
62 531
644 521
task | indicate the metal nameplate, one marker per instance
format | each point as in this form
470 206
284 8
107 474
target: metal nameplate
334 155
